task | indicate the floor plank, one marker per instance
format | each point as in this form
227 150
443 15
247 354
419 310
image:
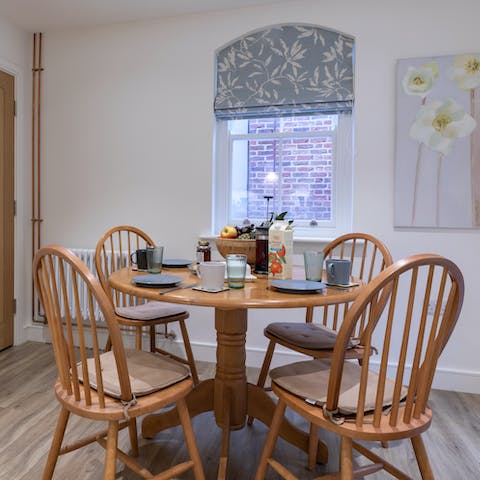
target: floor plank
28 413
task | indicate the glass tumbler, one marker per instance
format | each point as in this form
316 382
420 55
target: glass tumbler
154 259
236 269
313 265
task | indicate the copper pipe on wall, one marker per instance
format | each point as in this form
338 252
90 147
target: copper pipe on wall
39 137
36 155
33 162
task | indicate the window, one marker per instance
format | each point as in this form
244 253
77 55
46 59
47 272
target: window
291 163
283 107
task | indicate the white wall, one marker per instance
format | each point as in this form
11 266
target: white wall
15 52
128 136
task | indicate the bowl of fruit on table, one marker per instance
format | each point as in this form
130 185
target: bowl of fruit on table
237 240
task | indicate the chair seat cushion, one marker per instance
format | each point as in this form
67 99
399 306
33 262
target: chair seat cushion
150 311
306 335
148 372
309 380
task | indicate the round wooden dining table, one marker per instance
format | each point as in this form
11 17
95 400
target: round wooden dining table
229 395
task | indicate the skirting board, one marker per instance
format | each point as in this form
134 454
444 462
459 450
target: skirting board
445 378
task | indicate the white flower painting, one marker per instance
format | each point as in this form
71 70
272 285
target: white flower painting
437 168
420 80
439 123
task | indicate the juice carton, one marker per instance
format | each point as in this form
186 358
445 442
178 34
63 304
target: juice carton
280 250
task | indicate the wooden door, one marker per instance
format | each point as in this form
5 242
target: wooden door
7 113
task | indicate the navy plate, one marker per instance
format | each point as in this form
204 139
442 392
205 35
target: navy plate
156 280
176 263
297 286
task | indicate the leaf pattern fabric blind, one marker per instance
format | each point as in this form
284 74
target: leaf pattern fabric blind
285 69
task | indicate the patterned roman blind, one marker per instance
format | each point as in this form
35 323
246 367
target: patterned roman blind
285 69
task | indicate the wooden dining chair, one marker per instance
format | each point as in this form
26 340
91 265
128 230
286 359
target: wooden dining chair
386 397
368 256
114 387
114 251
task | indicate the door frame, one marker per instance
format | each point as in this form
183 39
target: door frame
22 264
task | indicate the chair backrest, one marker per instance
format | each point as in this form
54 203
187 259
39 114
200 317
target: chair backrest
60 294
369 256
114 251
425 302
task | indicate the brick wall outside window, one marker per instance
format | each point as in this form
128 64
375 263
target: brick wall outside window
303 165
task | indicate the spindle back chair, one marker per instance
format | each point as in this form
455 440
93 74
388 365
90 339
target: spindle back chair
114 251
368 256
384 399
103 386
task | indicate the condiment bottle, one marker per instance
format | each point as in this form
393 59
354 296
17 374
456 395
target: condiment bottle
203 251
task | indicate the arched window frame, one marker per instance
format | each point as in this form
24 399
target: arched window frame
324 86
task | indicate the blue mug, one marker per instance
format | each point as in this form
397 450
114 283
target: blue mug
338 271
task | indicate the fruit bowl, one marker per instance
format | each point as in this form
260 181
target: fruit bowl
235 245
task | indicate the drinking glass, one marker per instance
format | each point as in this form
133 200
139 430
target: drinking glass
236 269
313 265
154 259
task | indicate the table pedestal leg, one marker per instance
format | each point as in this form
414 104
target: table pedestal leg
230 392
229 395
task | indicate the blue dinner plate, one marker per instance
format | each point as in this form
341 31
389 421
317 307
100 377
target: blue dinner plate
176 263
156 280
297 286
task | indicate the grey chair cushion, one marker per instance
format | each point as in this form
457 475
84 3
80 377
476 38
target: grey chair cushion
150 311
149 372
306 335
309 380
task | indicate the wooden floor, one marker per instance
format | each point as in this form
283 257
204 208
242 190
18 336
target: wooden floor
28 413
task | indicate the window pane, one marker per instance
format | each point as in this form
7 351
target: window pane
253 176
239 180
307 123
306 178
263 160
297 171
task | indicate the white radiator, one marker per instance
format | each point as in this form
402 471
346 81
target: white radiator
87 255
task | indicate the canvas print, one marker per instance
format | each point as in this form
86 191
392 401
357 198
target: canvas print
437 165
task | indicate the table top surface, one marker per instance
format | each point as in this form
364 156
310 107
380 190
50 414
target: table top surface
256 294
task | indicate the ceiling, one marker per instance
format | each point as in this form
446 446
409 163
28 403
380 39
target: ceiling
48 15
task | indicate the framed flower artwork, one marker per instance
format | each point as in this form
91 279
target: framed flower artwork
437 162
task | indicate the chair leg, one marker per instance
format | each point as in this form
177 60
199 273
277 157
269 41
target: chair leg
153 338
190 439
312 446
132 431
422 458
108 345
138 338
56 444
262 377
271 440
111 451
346 464
188 352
